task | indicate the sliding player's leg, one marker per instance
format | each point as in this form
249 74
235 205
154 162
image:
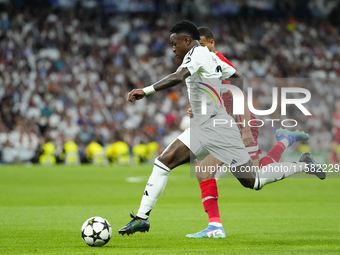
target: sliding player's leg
271 171
285 138
249 177
176 154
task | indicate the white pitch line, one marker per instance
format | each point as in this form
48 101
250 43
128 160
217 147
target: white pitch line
135 179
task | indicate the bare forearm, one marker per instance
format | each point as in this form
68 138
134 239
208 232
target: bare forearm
237 80
167 82
247 136
172 79
246 116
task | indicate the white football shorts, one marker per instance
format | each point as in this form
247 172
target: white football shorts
222 141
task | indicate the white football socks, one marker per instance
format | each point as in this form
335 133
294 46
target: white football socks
154 188
285 142
216 224
277 171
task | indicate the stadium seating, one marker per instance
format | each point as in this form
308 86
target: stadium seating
70 76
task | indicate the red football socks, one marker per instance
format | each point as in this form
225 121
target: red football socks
209 199
274 155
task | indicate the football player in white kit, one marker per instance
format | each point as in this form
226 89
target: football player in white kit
202 72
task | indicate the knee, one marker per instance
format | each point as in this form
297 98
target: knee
167 159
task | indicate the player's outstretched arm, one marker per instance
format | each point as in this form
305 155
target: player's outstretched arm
172 79
167 82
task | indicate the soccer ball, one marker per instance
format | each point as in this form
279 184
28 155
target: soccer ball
96 231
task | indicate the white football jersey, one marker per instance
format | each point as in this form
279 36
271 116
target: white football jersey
207 72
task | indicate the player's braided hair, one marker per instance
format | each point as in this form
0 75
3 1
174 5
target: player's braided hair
185 26
206 32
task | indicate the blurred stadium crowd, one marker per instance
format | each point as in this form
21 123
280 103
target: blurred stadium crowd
66 68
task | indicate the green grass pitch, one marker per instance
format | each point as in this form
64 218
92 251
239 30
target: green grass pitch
43 208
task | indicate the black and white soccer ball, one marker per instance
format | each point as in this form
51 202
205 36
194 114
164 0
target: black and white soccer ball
96 231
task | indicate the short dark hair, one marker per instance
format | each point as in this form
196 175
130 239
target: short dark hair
206 32
186 26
